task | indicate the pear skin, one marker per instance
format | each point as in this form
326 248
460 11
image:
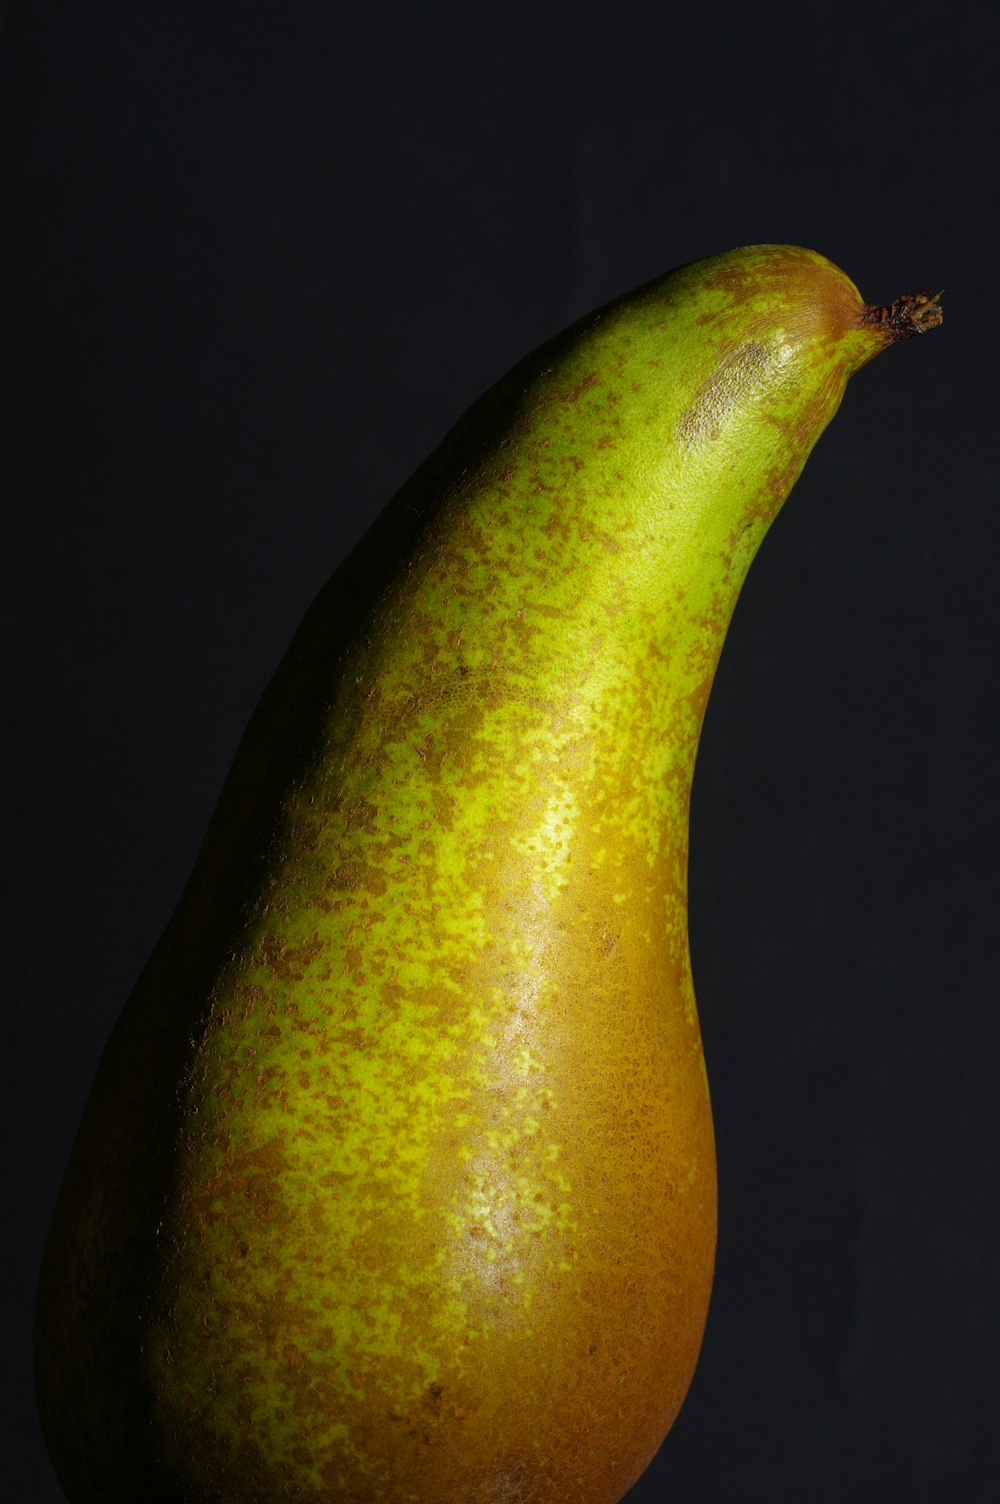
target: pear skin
396 1184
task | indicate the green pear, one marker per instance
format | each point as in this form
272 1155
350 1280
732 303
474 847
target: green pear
397 1179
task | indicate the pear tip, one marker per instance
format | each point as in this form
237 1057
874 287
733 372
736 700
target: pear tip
913 313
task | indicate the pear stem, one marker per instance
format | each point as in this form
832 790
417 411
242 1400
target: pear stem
913 313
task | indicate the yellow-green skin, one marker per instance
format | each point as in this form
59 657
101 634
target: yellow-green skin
397 1181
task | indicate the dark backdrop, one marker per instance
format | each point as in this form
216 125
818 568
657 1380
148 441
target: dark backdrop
257 259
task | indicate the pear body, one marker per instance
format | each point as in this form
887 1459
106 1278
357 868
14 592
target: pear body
397 1180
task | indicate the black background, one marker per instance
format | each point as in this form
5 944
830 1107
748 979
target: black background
257 259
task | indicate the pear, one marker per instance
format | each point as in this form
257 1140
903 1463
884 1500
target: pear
397 1179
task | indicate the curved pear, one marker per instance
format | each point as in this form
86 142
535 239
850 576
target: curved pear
397 1180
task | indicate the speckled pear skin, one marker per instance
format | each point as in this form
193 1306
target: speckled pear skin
397 1180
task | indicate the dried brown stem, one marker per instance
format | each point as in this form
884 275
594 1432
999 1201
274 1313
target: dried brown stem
913 313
